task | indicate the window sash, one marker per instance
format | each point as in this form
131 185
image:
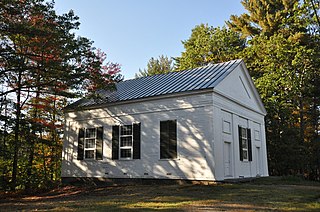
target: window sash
245 142
128 151
125 130
126 142
91 133
90 143
89 154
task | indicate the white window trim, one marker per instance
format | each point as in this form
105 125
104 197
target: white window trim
126 147
92 148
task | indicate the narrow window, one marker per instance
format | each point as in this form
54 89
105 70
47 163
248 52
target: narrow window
126 144
168 139
126 141
90 143
245 144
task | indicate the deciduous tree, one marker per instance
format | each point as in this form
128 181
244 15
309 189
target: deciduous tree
208 44
40 55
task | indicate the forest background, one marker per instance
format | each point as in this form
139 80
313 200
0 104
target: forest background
44 65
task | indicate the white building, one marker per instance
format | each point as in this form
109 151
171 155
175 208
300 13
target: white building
201 124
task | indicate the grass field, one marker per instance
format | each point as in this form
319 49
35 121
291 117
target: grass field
264 194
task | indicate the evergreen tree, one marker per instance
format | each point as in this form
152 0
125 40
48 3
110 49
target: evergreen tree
285 72
265 17
282 55
160 65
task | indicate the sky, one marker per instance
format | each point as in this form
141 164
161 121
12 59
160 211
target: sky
130 32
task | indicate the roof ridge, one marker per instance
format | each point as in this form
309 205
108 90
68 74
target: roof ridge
184 70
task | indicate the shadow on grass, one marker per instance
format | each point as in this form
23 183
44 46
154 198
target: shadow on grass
263 194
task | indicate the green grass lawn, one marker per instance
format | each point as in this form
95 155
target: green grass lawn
274 193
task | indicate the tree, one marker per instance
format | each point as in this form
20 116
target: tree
285 72
313 6
160 65
264 17
40 55
208 44
282 55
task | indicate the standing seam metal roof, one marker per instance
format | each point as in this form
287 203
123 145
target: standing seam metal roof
174 82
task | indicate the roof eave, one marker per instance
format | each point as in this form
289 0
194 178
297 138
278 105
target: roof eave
131 101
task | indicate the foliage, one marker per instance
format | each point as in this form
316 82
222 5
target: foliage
42 63
161 65
265 17
313 6
208 44
284 63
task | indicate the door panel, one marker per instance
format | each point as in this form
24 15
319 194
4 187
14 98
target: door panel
227 139
227 159
258 160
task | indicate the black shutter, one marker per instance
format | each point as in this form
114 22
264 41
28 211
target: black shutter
80 144
136 140
172 139
115 142
249 144
99 143
164 140
240 143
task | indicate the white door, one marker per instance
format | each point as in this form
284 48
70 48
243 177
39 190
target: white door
258 161
227 159
227 143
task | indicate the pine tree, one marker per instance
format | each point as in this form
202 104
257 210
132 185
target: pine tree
161 65
265 17
282 55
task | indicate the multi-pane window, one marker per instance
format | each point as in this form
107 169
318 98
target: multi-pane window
90 143
126 144
126 141
245 144
168 139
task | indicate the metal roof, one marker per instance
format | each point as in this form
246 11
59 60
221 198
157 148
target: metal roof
174 82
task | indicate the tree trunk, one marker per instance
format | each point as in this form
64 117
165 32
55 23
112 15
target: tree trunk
16 135
32 139
4 139
302 124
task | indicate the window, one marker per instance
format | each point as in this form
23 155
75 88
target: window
126 147
168 139
245 144
126 141
90 143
